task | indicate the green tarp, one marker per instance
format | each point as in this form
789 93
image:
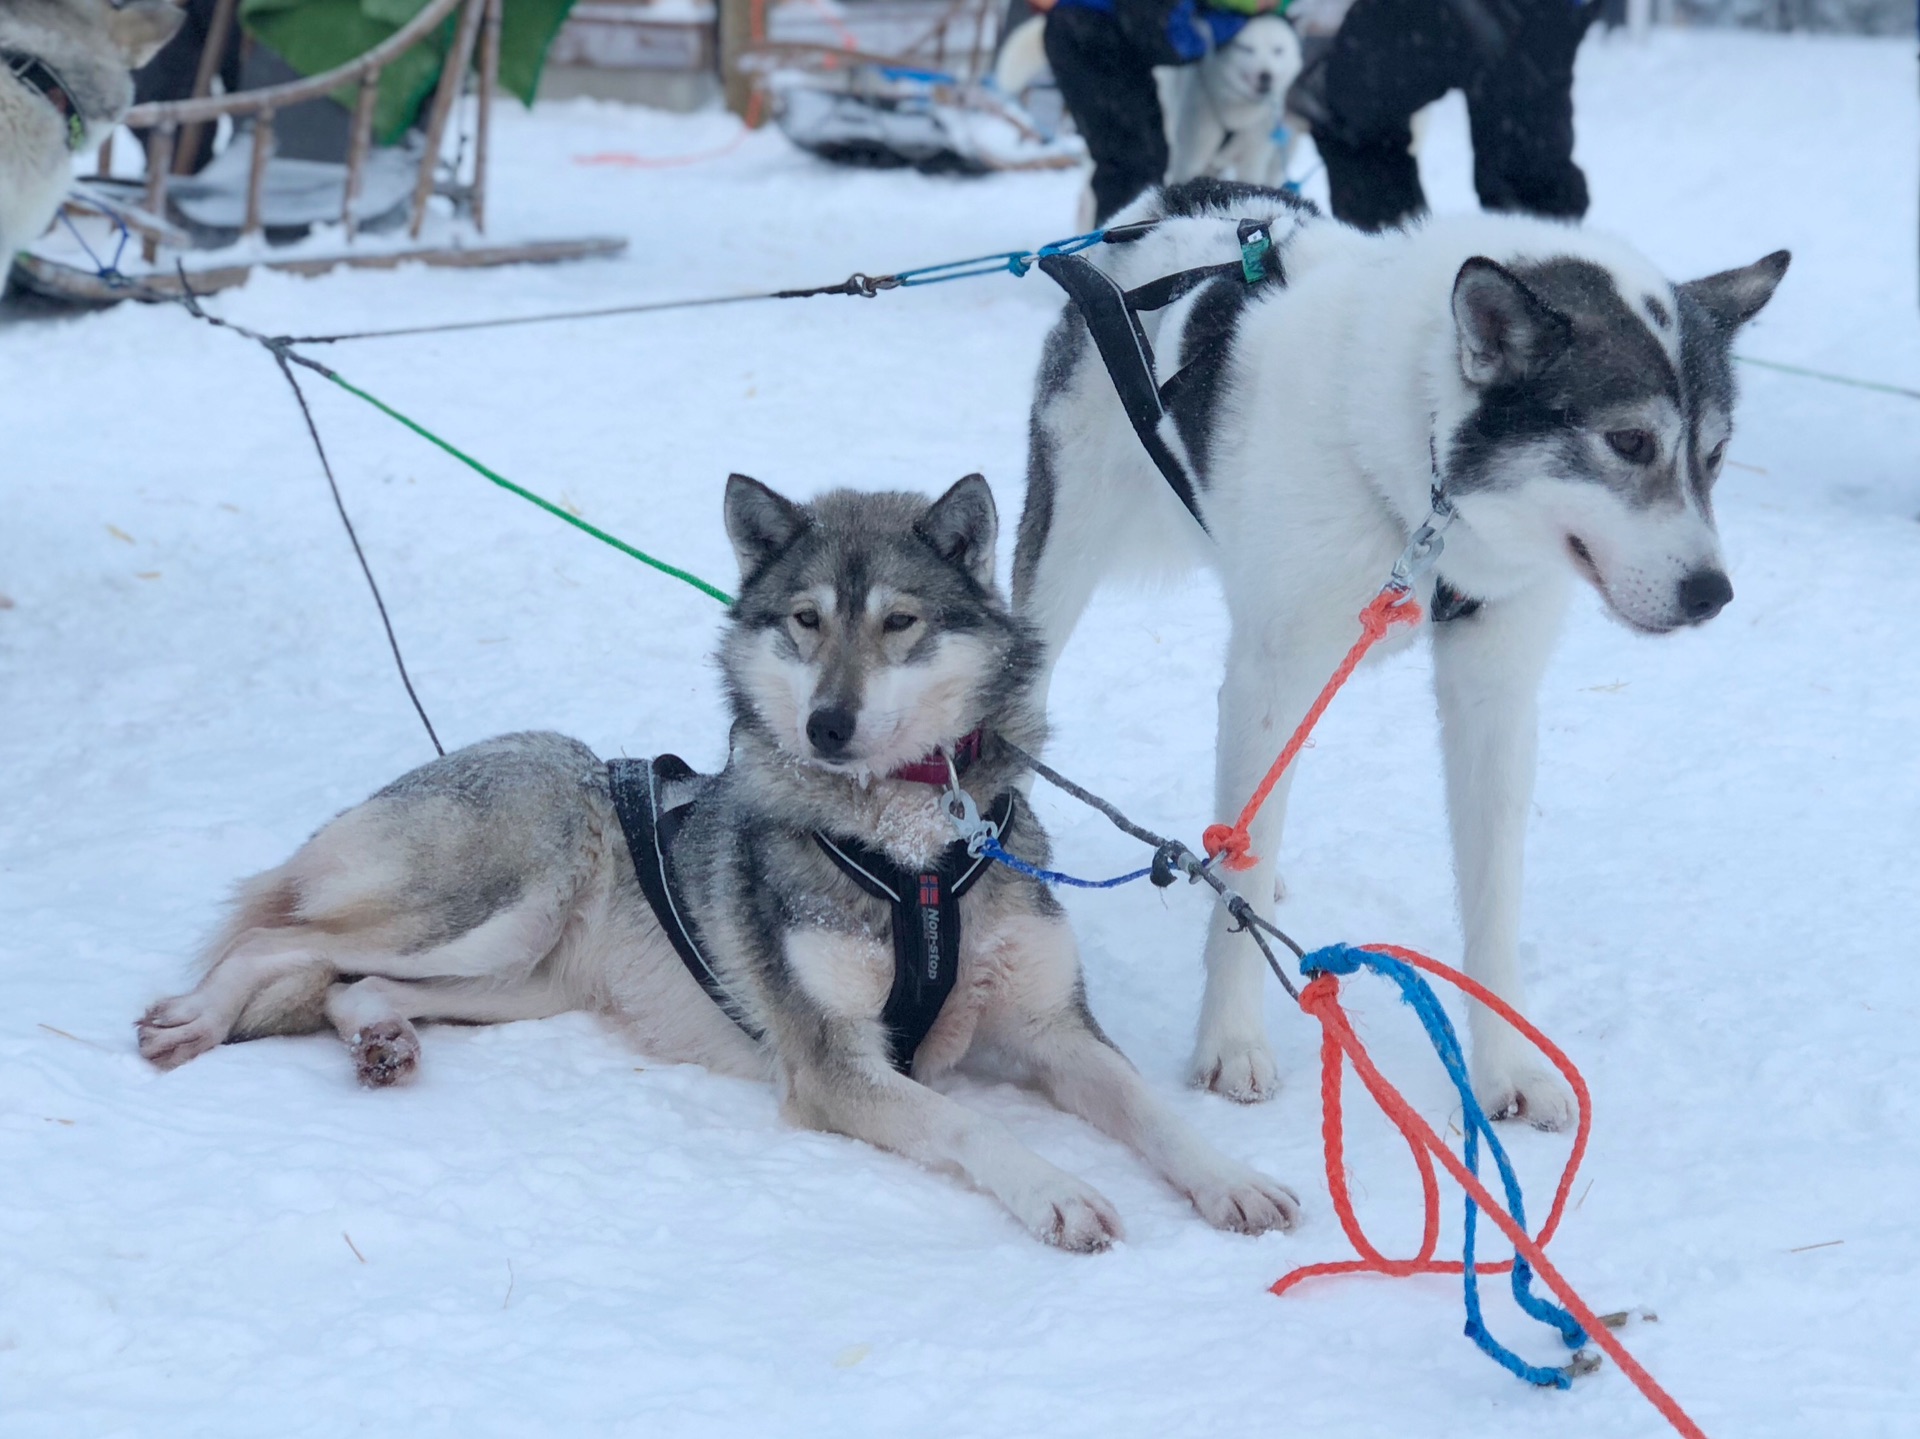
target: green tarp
316 35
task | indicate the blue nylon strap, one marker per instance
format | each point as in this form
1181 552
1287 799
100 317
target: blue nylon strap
1341 959
992 850
1012 262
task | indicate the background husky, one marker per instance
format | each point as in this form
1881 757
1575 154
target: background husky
1577 407
496 883
1220 113
1232 105
62 60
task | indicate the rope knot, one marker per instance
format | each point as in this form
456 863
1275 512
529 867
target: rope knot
1230 844
1389 608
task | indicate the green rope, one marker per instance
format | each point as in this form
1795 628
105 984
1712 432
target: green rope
548 505
1830 379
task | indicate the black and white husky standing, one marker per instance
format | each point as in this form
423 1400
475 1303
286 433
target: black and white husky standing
868 647
1573 405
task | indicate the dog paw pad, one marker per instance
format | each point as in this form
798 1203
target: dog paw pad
386 1053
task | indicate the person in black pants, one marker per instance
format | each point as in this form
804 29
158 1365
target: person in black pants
171 73
1102 53
1514 60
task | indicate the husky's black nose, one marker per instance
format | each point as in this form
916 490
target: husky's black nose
1266 82
1703 594
830 730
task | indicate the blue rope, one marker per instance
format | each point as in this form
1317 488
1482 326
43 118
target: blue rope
1012 262
992 850
104 270
1345 959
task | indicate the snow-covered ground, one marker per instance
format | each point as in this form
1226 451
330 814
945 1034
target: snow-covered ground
549 1234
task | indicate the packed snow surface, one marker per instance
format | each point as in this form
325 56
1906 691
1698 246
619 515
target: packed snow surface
548 1234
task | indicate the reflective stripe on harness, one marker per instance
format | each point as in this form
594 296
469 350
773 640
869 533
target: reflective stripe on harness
650 834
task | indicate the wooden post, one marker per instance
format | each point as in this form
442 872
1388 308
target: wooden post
737 24
452 75
159 167
483 121
358 146
257 173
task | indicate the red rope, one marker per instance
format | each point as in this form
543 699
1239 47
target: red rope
1339 1046
1387 609
628 160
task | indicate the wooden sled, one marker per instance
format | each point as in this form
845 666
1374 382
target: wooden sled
217 226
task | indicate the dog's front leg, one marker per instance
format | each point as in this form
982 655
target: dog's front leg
1261 699
1042 1025
1487 671
838 1079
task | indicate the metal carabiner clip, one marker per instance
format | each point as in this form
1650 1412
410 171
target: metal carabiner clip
973 827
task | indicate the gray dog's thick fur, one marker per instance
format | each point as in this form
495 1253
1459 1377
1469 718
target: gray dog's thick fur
92 45
496 883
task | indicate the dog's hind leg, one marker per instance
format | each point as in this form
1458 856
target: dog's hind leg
265 981
375 1015
1487 672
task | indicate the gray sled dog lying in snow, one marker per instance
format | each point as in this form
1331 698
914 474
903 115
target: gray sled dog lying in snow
806 915
65 82
1574 405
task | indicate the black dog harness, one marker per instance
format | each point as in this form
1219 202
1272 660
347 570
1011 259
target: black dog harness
1112 317
926 903
37 74
926 926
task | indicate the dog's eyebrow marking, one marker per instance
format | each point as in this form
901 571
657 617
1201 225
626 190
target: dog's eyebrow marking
1659 311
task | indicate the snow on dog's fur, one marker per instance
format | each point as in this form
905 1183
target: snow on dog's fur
1576 405
495 883
89 47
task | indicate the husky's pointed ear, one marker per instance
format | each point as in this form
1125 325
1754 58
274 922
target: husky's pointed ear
759 522
1734 297
962 526
1506 331
139 29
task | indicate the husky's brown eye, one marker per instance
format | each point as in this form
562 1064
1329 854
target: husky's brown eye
807 619
899 621
1636 447
1716 455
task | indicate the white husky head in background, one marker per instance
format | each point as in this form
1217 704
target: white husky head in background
1256 67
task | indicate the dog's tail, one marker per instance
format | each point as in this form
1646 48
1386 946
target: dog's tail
1023 58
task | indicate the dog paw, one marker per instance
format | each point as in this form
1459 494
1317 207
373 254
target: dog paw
1072 1216
386 1053
1247 1204
176 1030
1523 1091
1242 1070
